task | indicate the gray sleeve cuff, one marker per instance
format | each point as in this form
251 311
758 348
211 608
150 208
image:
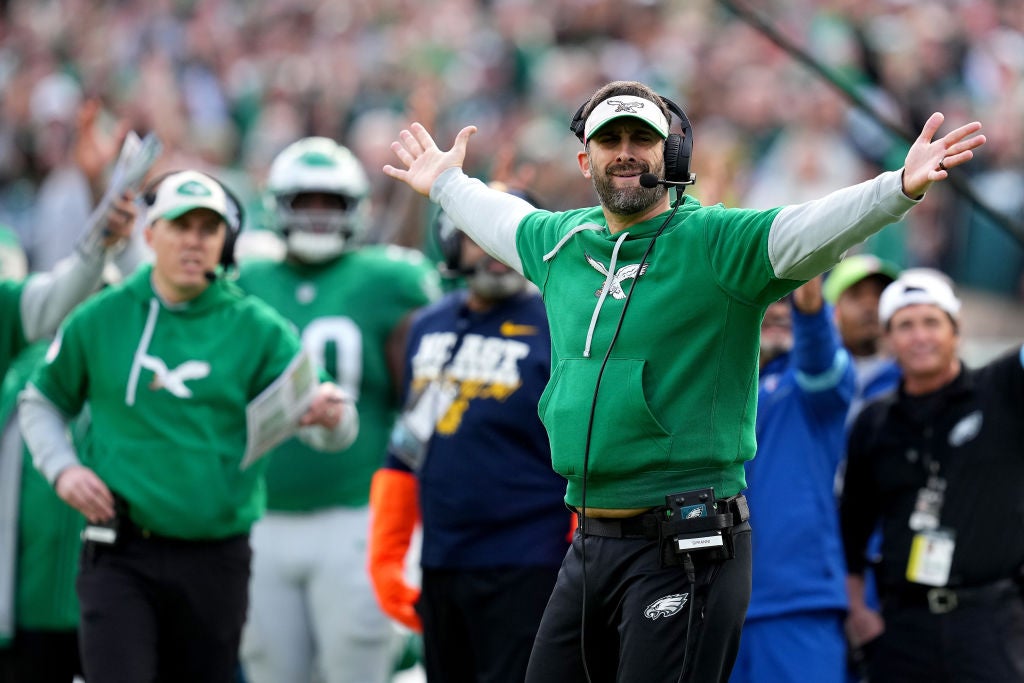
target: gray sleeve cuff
45 430
337 439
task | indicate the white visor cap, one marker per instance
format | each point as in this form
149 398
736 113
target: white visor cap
618 106
917 287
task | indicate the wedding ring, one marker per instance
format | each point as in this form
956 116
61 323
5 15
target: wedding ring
942 166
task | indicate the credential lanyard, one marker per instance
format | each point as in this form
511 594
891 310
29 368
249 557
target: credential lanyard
932 547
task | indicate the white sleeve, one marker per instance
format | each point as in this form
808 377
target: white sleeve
48 297
45 430
337 439
490 217
807 239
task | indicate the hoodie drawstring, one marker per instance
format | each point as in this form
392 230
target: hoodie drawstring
565 238
140 352
609 280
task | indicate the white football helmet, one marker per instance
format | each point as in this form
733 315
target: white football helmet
318 165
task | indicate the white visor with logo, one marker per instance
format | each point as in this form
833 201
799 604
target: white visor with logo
618 106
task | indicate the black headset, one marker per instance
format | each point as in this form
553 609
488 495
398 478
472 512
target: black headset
234 220
449 241
678 148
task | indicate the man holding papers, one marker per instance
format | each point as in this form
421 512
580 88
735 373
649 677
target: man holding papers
168 363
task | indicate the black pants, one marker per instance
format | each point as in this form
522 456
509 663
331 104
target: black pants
982 640
479 625
163 610
38 656
636 615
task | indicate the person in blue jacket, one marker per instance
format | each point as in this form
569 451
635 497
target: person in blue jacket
794 625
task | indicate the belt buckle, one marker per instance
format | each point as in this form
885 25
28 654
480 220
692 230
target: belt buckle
941 600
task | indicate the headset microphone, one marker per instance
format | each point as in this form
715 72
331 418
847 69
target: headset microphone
210 275
650 180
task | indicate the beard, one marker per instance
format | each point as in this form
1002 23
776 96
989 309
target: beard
492 285
627 201
496 286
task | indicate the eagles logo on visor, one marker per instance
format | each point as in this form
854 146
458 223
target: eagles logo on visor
620 106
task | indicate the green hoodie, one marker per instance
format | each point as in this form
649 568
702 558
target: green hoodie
48 535
167 388
678 396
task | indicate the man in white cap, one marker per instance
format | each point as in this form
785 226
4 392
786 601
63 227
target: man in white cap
656 308
938 465
168 362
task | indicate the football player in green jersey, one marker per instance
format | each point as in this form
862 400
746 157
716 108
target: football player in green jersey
311 599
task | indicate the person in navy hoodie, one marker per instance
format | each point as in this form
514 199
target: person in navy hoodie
794 625
470 457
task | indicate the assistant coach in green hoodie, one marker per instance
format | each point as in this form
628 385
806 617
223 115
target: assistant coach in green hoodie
658 398
167 363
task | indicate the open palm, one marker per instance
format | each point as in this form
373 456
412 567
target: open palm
422 158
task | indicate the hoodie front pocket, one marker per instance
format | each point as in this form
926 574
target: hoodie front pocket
626 436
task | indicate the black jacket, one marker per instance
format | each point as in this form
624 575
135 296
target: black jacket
974 429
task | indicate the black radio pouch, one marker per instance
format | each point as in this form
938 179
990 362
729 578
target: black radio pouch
696 522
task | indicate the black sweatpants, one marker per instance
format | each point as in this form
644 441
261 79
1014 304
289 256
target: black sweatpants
479 625
158 610
636 615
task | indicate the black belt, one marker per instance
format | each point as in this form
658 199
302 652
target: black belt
946 599
645 525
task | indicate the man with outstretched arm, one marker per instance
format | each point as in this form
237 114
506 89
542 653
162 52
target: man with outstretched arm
655 311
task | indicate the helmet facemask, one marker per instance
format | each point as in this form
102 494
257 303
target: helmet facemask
318 233
318 189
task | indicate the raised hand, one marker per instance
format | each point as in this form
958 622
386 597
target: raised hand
422 158
94 150
929 160
807 298
120 219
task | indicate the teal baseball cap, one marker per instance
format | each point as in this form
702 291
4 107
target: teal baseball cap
852 270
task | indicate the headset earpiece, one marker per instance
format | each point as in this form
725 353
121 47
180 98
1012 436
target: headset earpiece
578 123
235 221
678 147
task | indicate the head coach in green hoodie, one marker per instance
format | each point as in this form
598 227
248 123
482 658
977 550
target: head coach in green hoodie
167 363
655 309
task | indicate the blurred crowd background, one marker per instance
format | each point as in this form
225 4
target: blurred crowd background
226 84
